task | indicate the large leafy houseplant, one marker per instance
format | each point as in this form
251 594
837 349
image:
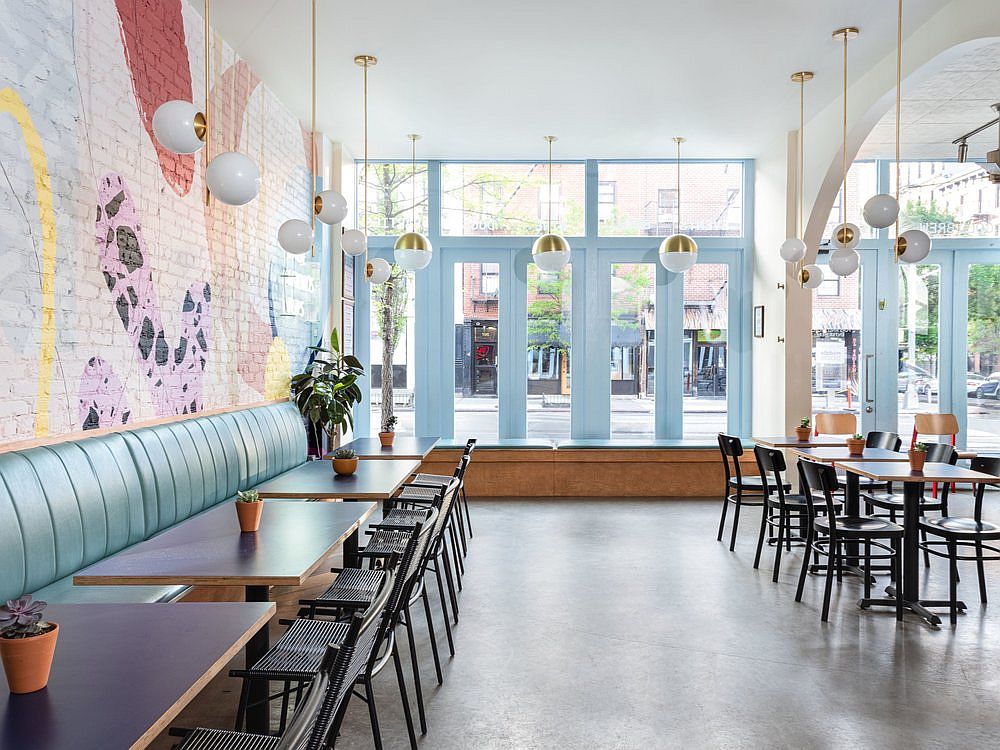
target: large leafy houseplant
327 392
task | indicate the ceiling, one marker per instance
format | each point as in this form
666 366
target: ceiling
947 104
488 80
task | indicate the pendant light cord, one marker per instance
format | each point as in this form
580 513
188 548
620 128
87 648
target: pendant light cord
802 158
678 141
312 132
843 200
899 73
550 186
413 179
209 126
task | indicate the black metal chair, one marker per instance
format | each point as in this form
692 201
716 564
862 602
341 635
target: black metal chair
780 508
319 716
442 480
965 532
738 487
828 532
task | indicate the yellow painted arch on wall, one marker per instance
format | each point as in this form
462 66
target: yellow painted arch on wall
12 104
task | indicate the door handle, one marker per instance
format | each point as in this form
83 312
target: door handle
868 379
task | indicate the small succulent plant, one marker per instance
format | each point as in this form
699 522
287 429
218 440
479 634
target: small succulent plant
344 453
858 436
248 496
22 618
805 422
389 424
921 447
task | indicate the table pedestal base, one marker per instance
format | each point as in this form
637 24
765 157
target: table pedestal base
919 607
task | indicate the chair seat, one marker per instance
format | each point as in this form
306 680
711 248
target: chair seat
298 653
958 526
752 483
352 588
798 504
227 739
385 543
897 502
439 479
420 494
401 518
860 525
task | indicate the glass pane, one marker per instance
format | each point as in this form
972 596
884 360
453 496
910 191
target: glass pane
477 312
397 197
391 348
983 377
641 199
836 344
947 199
511 199
706 324
549 337
862 184
917 380
633 294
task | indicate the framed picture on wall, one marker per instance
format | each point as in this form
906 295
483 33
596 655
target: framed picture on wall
758 322
348 285
347 327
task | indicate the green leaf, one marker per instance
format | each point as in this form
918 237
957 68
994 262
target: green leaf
334 340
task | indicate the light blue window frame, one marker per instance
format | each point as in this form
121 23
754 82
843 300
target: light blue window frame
591 326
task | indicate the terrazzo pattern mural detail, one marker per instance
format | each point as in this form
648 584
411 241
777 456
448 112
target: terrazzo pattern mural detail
103 400
175 372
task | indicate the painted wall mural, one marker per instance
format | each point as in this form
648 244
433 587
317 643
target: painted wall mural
123 296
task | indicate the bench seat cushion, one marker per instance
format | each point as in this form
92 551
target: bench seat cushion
64 592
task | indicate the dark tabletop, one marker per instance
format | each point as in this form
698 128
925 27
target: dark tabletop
900 472
374 480
402 447
840 455
122 672
791 441
208 549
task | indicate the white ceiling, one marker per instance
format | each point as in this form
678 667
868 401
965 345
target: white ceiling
946 105
488 79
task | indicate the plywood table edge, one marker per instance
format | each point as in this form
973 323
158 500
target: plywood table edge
188 695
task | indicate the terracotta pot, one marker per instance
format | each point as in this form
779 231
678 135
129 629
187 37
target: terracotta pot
386 438
27 661
802 433
345 466
249 515
917 459
856 447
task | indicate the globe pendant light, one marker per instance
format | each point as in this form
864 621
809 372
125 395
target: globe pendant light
355 241
810 276
678 252
295 236
793 250
550 251
412 250
233 178
846 235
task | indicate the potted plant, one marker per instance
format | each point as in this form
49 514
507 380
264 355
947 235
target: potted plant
248 508
388 433
918 456
856 445
327 392
803 430
345 461
27 643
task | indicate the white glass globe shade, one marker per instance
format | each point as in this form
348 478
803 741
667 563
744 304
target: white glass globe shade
792 250
177 124
881 211
851 231
814 274
550 252
678 253
378 271
330 207
354 242
412 260
233 178
295 236
678 262
552 262
844 262
918 246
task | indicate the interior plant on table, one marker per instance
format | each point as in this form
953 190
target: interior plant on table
327 392
803 430
856 444
345 461
27 644
388 433
249 506
918 456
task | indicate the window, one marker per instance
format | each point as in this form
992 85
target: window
477 340
392 350
510 199
706 349
489 278
983 432
836 344
933 198
830 286
917 380
605 201
397 197
646 198
633 319
862 184
549 338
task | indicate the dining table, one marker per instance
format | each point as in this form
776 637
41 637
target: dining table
837 455
403 447
792 441
208 549
123 672
912 481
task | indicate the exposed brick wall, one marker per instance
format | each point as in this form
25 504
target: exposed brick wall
228 314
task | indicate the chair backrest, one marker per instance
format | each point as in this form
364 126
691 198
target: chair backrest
941 453
987 465
889 441
934 424
470 446
836 423
771 464
819 479
731 448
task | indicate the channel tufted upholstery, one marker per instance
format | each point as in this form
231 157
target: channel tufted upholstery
66 506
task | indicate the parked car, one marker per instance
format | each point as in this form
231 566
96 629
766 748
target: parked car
988 389
972 382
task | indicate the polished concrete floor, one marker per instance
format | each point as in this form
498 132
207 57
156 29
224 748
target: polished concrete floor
624 624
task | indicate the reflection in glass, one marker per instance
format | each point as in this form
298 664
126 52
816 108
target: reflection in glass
392 350
394 191
983 378
917 378
476 316
633 320
706 324
836 345
947 199
549 345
